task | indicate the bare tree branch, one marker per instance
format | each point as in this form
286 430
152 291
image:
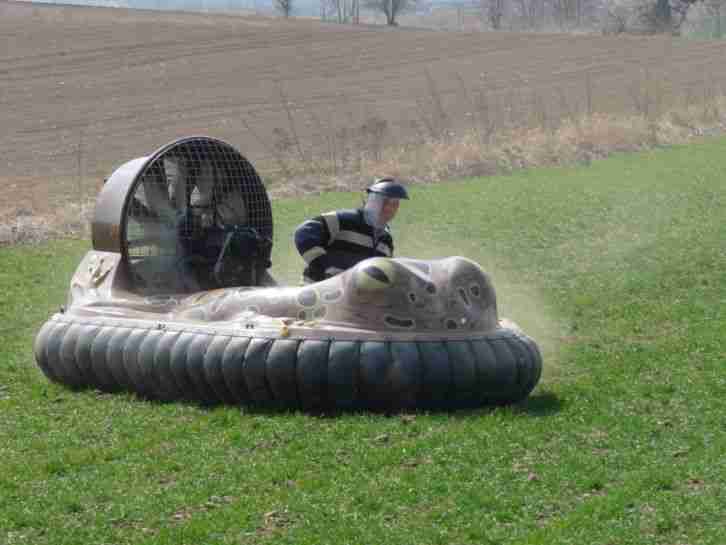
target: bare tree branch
390 8
284 7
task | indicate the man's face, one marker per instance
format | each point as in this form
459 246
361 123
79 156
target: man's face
389 209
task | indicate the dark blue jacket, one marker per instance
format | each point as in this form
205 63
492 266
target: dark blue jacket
335 241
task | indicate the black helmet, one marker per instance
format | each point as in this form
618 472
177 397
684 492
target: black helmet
388 187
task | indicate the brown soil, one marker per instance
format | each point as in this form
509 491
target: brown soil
86 89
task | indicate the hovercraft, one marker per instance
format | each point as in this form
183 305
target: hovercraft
175 302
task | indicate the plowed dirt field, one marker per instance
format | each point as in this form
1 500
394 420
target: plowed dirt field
82 90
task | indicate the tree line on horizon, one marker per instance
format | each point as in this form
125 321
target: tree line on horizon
608 16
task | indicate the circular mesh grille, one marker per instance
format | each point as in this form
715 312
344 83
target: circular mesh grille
195 202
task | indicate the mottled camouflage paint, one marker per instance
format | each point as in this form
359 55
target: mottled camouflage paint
382 298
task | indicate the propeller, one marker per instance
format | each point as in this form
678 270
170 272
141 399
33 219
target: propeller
188 222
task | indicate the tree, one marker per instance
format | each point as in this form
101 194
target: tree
284 7
649 16
716 8
619 16
665 15
662 15
390 8
680 11
568 11
342 11
530 11
493 11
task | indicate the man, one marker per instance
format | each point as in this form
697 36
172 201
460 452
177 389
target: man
335 241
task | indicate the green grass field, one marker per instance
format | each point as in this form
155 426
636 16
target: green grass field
618 269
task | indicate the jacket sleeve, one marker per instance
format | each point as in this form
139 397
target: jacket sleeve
311 239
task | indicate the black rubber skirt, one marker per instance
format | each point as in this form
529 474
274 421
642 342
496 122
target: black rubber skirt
497 368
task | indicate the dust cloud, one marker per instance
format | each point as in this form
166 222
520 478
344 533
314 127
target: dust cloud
524 304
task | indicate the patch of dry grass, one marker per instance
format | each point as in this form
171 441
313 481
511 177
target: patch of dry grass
475 153
26 226
466 153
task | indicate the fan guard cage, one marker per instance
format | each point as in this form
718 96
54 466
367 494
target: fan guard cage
181 205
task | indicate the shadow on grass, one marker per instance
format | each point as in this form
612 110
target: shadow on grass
541 404
538 405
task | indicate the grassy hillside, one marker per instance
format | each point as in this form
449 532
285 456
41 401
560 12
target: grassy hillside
616 268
